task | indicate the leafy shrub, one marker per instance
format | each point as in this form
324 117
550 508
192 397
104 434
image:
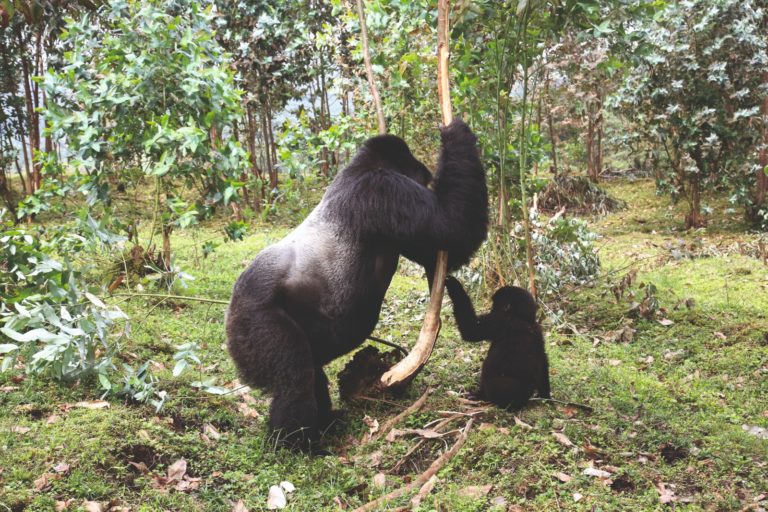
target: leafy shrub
51 320
564 253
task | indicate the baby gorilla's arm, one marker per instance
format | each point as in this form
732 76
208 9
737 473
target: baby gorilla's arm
471 327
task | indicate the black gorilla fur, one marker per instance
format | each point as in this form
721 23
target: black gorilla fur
516 364
317 294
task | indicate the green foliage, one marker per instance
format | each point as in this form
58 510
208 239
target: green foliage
236 230
50 318
301 148
695 90
147 86
564 253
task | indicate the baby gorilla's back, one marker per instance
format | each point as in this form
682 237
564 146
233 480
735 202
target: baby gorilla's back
516 364
513 369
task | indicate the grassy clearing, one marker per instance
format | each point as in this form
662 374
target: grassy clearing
668 407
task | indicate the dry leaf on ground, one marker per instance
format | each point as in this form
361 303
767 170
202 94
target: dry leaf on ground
42 482
93 506
520 423
247 411
599 473
61 506
562 439
177 470
373 425
211 432
93 404
239 507
379 480
475 491
61 467
666 495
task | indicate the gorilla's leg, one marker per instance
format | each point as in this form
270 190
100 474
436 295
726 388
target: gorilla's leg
287 359
323 398
543 384
504 391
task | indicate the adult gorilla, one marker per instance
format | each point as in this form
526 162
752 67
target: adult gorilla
317 294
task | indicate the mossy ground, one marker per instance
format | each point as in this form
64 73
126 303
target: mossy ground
668 407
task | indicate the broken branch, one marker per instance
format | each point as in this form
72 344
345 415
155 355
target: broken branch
423 478
415 406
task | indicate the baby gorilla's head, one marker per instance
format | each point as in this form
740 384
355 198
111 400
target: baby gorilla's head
515 302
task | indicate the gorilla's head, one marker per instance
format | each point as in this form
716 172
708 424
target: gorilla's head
512 301
393 153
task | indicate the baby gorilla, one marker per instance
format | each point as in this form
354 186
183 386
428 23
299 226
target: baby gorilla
516 364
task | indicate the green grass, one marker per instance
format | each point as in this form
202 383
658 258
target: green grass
683 390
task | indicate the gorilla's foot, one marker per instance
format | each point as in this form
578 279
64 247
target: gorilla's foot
332 420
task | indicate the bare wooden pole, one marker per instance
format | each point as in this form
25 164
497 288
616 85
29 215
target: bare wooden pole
404 371
369 69
443 55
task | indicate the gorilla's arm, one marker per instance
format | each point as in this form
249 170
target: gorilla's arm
462 193
462 199
471 327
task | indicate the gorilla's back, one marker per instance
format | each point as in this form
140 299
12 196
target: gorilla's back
324 279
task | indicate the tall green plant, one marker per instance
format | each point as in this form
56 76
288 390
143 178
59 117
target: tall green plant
146 86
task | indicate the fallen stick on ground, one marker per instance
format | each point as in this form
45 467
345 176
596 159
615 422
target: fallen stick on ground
425 489
438 425
415 406
423 478
561 402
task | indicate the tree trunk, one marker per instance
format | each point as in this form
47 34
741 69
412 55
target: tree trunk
32 118
538 128
598 152
272 148
761 187
18 168
591 144
325 166
265 122
553 139
29 187
49 137
258 195
244 175
167 230
369 70
695 219
7 194
502 204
